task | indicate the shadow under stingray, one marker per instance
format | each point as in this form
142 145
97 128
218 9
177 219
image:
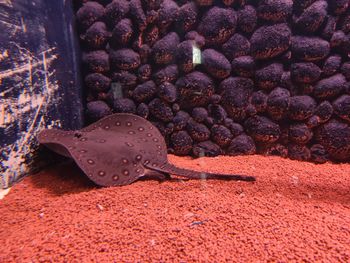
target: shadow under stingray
68 178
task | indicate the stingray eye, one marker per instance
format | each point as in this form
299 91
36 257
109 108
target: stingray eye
77 135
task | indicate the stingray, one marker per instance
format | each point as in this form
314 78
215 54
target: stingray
119 149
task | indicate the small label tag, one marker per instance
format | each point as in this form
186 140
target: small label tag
117 90
196 55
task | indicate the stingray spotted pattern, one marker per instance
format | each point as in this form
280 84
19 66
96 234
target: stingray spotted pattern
118 150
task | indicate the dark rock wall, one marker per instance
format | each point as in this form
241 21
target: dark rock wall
224 77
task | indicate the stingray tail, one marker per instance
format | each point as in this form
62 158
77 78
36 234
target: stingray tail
172 169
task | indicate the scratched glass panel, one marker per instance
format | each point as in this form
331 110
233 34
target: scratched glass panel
39 80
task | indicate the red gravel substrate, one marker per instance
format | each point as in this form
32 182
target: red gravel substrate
295 211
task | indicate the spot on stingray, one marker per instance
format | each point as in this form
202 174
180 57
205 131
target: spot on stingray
126 172
101 173
115 177
138 157
118 123
131 132
141 129
90 161
129 144
125 161
128 123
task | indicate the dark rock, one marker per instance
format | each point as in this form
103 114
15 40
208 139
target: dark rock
331 65
187 17
124 78
204 2
270 41
184 55
313 17
198 132
259 101
269 77
124 59
329 27
235 128
300 5
96 61
221 135
329 87
341 107
152 4
278 103
318 154
160 110
274 149
197 38
345 69
195 89
215 99
97 82
235 96
151 35
96 36
167 74
345 23
207 148
168 13
144 52
301 107
199 114
122 34
116 11
244 66
144 72
124 105
247 19
163 51
299 152
167 92
299 133
176 107
217 112
236 46
216 64
306 72
242 144
142 110
218 25
180 120
151 16
323 113
89 13
138 15
182 142
262 129
145 91
209 121
335 137
309 48
275 10
97 109
339 6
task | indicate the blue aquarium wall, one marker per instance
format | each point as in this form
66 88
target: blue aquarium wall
39 81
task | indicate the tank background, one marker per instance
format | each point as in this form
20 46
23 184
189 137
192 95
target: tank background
40 84
275 81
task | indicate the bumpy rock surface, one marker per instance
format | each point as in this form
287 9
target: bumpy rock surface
224 76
